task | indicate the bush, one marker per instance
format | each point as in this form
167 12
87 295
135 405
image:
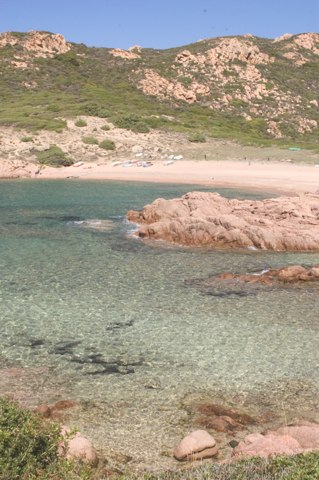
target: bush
80 123
53 157
107 145
197 138
105 127
132 122
29 447
90 140
95 110
26 139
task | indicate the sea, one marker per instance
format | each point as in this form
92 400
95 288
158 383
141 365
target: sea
130 331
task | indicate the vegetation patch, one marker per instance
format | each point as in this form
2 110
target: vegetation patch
105 127
197 138
107 144
29 448
53 157
132 122
90 140
80 123
27 139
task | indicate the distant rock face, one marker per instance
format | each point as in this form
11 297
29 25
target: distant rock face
209 220
126 54
39 43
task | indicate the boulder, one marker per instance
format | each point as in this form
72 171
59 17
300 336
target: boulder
76 446
289 440
196 446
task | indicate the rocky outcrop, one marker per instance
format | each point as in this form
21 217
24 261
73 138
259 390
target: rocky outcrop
289 440
126 54
76 446
291 275
196 446
209 220
41 44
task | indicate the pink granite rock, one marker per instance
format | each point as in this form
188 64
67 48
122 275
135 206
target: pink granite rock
271 443
77 446
289 440
196 446
208 219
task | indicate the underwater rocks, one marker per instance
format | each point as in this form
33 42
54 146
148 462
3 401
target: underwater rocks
205 219
292 274
290 440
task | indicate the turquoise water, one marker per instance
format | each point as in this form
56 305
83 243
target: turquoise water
92 313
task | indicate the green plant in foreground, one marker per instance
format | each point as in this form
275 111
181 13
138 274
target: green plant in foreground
53 157
90 140
197 138
80 123
107 145
29 448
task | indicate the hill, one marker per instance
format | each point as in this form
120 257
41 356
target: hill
249 89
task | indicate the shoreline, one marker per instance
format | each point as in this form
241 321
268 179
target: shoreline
284 178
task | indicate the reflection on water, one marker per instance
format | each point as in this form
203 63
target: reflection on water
123 327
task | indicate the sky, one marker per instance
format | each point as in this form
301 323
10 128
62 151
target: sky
158 23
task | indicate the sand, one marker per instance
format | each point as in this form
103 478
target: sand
278 177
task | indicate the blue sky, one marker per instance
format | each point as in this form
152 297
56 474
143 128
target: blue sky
158 23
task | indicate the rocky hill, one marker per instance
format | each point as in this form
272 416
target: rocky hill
251 89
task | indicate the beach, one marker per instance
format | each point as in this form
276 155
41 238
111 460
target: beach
280 177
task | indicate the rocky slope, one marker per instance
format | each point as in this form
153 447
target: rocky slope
208 219
237 87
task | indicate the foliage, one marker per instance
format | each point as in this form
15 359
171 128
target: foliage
80 123
298 467
29 448
132 122
197 138
107 144
53 157
90 140
27 139
105 127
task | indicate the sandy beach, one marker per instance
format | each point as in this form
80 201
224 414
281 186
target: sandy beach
281 177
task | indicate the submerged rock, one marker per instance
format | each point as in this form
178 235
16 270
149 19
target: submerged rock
208 219
196 446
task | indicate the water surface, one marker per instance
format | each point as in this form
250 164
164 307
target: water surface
93 314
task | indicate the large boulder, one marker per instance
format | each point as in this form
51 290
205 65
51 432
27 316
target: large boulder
196 446
208 219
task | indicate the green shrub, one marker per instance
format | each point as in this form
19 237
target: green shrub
90 140
80 123
26 139
105 127
29 448
107 145
53 157
95 110
197 138
132 122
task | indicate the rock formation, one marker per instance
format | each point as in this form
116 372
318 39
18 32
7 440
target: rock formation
291 274
289 440
209 220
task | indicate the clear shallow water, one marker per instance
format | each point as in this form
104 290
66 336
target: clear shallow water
101 317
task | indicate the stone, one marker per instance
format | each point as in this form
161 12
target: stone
137 149
288 440
76 446
44 411
196 446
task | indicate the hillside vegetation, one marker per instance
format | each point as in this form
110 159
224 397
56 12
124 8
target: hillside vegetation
250 89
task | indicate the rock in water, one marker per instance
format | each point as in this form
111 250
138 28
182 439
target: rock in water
207 219
196 446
